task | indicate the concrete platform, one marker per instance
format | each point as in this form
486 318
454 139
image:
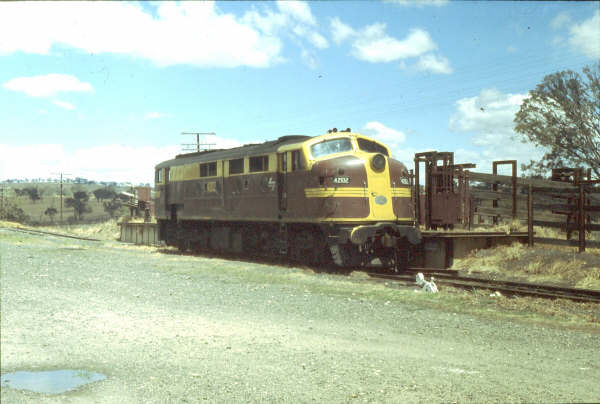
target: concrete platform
439 249
139 233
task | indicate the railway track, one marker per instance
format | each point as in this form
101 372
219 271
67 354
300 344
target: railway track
452 278
41 232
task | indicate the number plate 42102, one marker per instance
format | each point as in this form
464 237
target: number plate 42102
341 180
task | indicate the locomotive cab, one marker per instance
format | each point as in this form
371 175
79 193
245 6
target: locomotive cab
365 194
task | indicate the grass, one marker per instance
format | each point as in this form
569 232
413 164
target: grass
542 263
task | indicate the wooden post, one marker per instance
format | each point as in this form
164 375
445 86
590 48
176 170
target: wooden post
514 190
495 189
468 198
581 218
417 192
530 215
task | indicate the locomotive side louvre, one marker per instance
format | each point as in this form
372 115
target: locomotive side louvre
341 190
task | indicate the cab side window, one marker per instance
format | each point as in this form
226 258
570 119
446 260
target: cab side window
298 160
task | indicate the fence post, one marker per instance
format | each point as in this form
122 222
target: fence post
514 190
530 215
581 218
417 190
495 189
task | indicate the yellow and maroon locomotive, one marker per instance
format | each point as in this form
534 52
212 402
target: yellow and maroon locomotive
339 196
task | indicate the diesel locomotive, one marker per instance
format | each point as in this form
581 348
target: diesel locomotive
337 197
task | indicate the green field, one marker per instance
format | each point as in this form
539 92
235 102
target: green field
50 198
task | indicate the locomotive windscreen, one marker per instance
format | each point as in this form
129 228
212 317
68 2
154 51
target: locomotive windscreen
371 147
331 146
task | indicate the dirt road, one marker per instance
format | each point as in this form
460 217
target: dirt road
169 328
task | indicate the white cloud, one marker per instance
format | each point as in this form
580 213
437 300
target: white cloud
127 163
298 10
384 133
340 31
318 40
156 115
47 85
434 64
585 37
373 45
294 19
392 138
193 33
488 118
419 3
63 104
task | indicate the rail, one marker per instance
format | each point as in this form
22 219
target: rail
41 232
453 279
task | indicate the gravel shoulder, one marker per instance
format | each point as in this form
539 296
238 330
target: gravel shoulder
170 328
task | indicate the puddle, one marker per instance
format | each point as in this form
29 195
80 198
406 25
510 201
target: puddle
49 382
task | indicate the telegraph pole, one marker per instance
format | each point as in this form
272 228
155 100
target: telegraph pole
188 146
2 203
61 194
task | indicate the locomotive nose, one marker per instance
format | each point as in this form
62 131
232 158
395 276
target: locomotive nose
378 162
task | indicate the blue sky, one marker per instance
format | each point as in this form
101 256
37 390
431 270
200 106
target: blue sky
103 90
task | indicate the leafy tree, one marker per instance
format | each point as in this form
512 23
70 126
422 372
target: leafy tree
79 204
51 212
104 193
563 115
33 193
13 213
112 206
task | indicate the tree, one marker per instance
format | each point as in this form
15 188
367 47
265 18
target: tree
79 204
51 212
33 193
104 193
13 213
112 206
563 115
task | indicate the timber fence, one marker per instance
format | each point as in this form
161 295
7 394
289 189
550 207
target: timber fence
569 206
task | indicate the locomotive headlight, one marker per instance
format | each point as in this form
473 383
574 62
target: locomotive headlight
378 162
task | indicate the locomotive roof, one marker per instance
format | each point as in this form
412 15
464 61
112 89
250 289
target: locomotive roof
236 152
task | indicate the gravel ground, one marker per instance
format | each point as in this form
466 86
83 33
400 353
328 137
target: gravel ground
169 328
